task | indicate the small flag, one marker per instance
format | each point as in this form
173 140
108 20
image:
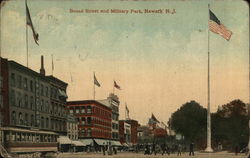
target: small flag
29 23
217 27
127 110
154 118
117 86
52 62
96 82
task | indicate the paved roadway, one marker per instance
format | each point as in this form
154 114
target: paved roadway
140 155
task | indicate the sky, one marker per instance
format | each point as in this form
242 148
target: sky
158 59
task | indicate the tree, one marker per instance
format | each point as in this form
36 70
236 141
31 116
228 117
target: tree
230 124
190 121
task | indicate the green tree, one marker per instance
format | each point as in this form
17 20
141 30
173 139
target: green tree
230 124
190 121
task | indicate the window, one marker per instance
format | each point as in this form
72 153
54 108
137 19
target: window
31 85
42 122
12 79
31 102
13 117
71 111
83 121
77 111
20 118
13 98
42 105
88 120
51 92
25 82
83 132
26 119
19 100
83 109
19 81
26 101
32 120
47 122
89 132
46 91
41 90
46 106
88 109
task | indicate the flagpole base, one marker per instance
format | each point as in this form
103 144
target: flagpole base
209 149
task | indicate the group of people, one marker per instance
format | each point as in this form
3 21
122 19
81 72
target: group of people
165 149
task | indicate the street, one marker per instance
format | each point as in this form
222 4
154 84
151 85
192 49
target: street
140 155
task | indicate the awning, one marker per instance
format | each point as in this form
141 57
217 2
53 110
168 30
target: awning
125 144
86 141
64 140
116 143
62 93
78 143
102 141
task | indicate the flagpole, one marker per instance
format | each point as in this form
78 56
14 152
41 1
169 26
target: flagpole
94 86
52 64
27 51
114 88
209 148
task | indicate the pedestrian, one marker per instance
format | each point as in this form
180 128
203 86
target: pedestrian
103 149
236 150
191 149
163 148
153 149
179 150
168 149
147 152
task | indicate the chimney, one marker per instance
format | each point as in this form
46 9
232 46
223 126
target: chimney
42 71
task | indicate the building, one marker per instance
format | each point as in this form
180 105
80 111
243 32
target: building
72 127
134 126
31 122
124 132
128 131
94 121
113 102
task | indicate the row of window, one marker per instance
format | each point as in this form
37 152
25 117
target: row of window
32 86
89 110
115 126
29 102
115 135
42 122
93 120
94 133
25 101
79 110
28 120
29 137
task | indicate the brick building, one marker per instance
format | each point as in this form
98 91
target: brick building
94 121
134 126
31 123
124 132
113 102
128 131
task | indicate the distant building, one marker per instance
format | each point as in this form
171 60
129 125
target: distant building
134 127
124 132
113 102
33 109
72 127
94 121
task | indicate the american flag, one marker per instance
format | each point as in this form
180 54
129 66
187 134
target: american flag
29 23
217 27
117 86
